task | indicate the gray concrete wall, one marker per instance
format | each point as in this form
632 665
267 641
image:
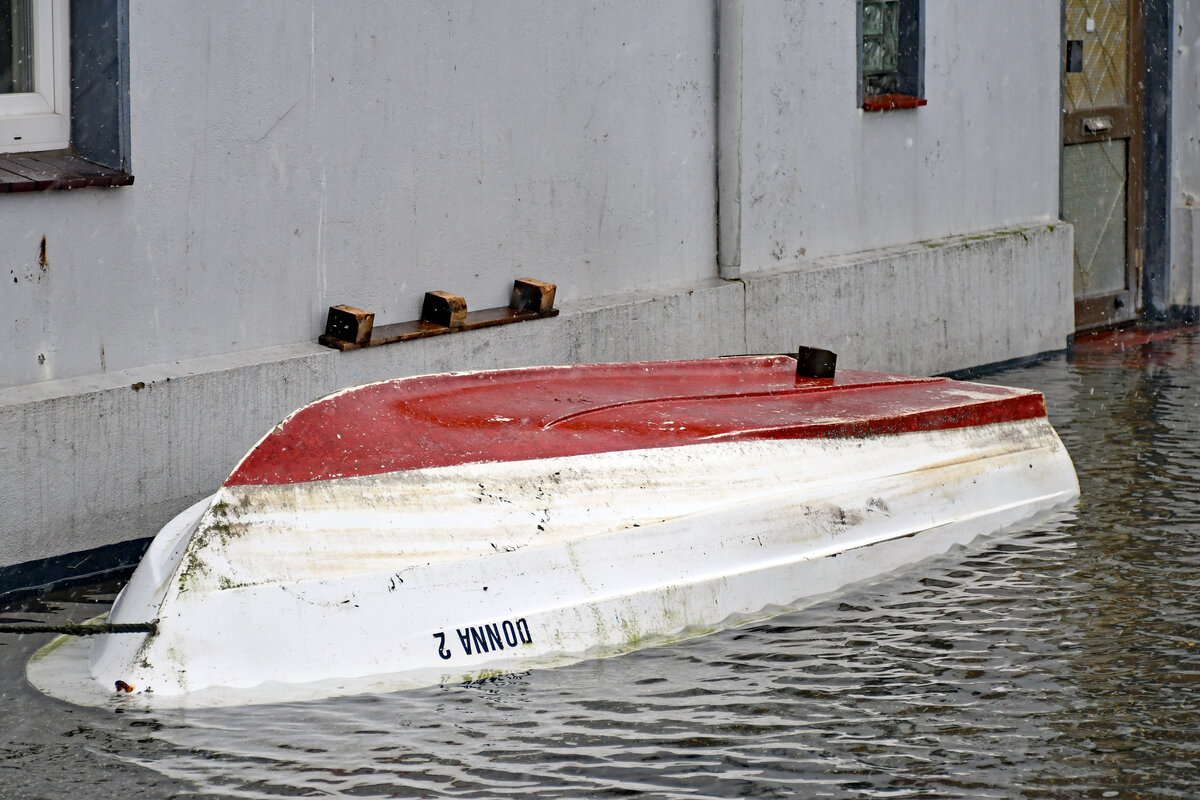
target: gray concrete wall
984 282
815 176
289 158
293 156
1185 155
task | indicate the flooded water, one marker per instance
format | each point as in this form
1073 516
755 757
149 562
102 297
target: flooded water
1058 660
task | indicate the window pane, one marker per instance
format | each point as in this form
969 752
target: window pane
884 83
16 46
891 35
886 35
872 21
872 55
1104 79
888 56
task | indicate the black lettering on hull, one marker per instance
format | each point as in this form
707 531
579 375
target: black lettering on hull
487 638
443 653
493 633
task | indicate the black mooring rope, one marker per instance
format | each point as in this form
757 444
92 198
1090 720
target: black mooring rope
84 628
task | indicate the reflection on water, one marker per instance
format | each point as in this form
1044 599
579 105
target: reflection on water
1059 660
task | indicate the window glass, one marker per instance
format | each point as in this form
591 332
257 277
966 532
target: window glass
880 45
1100 27
64 98
1095 182
889 48
16 46
34 75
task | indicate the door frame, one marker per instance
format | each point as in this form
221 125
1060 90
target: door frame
1128 123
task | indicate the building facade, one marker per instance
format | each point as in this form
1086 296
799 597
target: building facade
698 178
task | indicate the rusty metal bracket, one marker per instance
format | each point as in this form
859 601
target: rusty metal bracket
350 328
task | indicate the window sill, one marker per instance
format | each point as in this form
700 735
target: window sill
37 172
891 102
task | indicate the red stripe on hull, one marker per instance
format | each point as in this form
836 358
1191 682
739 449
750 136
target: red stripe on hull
545 412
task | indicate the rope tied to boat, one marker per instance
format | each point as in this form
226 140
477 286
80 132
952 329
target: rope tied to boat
84 628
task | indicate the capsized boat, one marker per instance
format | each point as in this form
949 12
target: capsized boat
450 527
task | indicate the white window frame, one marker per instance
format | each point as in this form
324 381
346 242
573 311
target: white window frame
41 119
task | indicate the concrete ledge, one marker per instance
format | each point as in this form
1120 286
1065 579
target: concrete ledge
697 321
926 308
107 459
1185 255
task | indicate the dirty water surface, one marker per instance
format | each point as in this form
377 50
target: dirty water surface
1060 659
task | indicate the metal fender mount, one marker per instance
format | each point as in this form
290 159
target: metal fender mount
813 362
350 328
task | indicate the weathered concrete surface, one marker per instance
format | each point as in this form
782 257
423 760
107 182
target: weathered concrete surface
94 461
704 319
1185 155
103 459
804 173
924 308
1185 255
289 157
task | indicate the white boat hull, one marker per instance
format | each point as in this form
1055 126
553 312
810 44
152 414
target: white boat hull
451 574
